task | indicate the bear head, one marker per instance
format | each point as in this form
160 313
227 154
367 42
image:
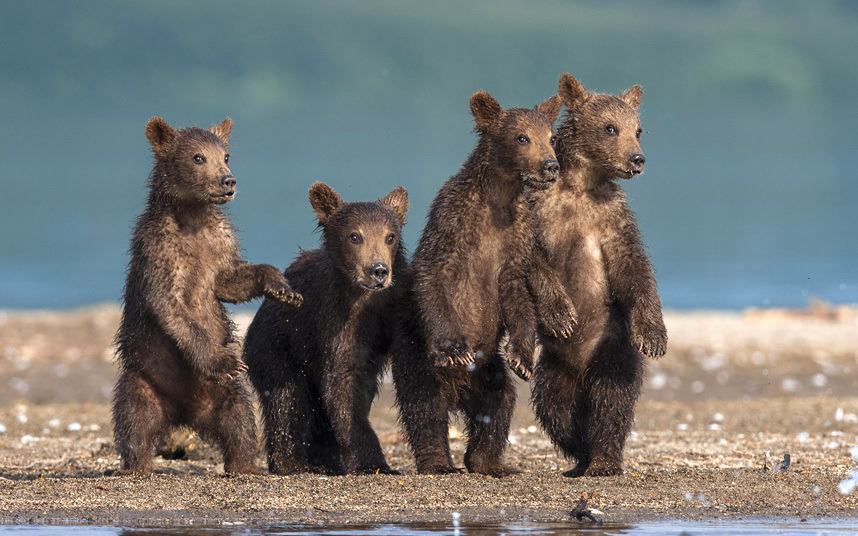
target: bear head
601 131
363 239
192 164
518 142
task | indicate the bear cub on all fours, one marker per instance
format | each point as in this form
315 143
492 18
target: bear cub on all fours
586 384
469 286
317 368
174 344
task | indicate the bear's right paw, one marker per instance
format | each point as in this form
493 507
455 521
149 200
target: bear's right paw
522 370
450 353
561 323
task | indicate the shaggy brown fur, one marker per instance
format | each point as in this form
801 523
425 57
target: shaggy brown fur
586 386
177 367
317 368
469 284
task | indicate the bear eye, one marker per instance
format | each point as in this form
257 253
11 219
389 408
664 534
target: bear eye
199 159
553 141
226 159
638 134
391 238
522 139
354 238
611 129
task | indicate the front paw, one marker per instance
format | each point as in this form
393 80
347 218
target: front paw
282 293
560 322
649 337
229 367
452 353
522 369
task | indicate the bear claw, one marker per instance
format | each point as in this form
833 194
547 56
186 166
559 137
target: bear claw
286 297
521 370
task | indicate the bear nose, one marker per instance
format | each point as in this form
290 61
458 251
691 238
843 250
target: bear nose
380 271
551 166
228 181
638 160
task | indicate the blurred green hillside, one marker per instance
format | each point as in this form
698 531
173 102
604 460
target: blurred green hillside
749 195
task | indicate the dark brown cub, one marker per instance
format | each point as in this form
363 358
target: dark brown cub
317 368
178 366
586 384
469 285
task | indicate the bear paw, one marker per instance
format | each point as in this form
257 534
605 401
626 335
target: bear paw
284 295
229 368
522 370
651 342
449 354
648 334
560 324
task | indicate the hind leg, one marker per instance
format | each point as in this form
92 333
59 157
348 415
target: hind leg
424 401
488 404
612 384
140 422
222 413
560 405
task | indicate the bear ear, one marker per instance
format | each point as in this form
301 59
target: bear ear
397 202
222 130
160 134
550 108
632 96
486 110
571 91
325 201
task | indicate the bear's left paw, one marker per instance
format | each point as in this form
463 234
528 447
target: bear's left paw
284 295
649 338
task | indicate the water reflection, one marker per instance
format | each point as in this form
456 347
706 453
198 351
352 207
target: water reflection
667 528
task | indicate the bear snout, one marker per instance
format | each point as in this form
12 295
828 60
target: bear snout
379 272
551 168
227 181
637 161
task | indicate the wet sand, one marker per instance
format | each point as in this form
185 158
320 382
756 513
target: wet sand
732 387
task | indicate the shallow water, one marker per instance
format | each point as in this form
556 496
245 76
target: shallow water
697 528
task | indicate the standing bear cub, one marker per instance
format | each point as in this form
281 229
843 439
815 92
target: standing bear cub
469 286
317 369
586 384
174 341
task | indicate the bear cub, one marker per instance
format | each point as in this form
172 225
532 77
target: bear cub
175 340
317 369
469 287
586 383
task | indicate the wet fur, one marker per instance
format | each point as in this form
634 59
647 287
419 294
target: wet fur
468 284
316 369
174 344
586 384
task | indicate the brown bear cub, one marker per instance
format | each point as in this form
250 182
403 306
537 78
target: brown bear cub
469 286
585 387
317 368
174 342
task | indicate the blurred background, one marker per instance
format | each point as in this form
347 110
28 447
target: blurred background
749 196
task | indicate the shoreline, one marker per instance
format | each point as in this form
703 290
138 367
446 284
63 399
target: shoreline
732 387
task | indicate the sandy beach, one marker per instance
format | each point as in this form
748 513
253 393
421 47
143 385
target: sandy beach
733 387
